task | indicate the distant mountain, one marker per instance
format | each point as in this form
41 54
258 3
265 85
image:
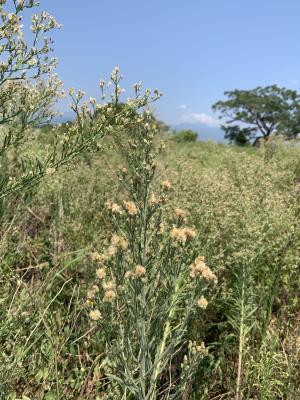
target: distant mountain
67 116
205 132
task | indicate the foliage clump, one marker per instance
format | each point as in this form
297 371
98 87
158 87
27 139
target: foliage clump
259 113
187 135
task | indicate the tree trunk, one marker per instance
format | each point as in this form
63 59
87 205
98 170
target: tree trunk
261 139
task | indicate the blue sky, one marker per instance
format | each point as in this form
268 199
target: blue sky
191 50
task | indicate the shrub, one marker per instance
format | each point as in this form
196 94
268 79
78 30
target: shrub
185 136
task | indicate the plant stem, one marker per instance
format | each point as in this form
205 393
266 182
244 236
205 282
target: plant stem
162 346
241 344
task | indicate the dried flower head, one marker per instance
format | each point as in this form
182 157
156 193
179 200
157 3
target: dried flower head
91 292
101 273
200 269
189 233
200 260
123 170
202 302
117 243
180 214
113 207
182 235
130 207
116 209
208 275
109 285
139 271
166 185
95 315
153 201
110 295
97 257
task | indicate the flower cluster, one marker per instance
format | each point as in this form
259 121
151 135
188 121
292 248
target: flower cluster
138 272
109 290
194 348
114 208
130 207
118 243
182 235
153 200
199 269
99 258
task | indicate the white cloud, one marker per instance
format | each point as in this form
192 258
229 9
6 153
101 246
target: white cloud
202 118
183 107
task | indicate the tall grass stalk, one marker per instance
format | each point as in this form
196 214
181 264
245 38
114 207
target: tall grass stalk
241 318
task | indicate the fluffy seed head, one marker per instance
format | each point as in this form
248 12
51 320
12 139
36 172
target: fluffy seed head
182 235
130 207
200 269
109 285
113 207
153 201
208 275
117 243
180 214
202 302
116 209
95 315
166 185
101 273
110 295
139 271
91 292
97 257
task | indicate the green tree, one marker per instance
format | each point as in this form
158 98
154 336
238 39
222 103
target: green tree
256 114
186 135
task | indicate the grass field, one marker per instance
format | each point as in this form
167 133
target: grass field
242 204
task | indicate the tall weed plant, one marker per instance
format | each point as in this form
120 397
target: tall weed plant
150 283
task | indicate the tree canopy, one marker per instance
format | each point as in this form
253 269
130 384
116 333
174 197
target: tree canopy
256 114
